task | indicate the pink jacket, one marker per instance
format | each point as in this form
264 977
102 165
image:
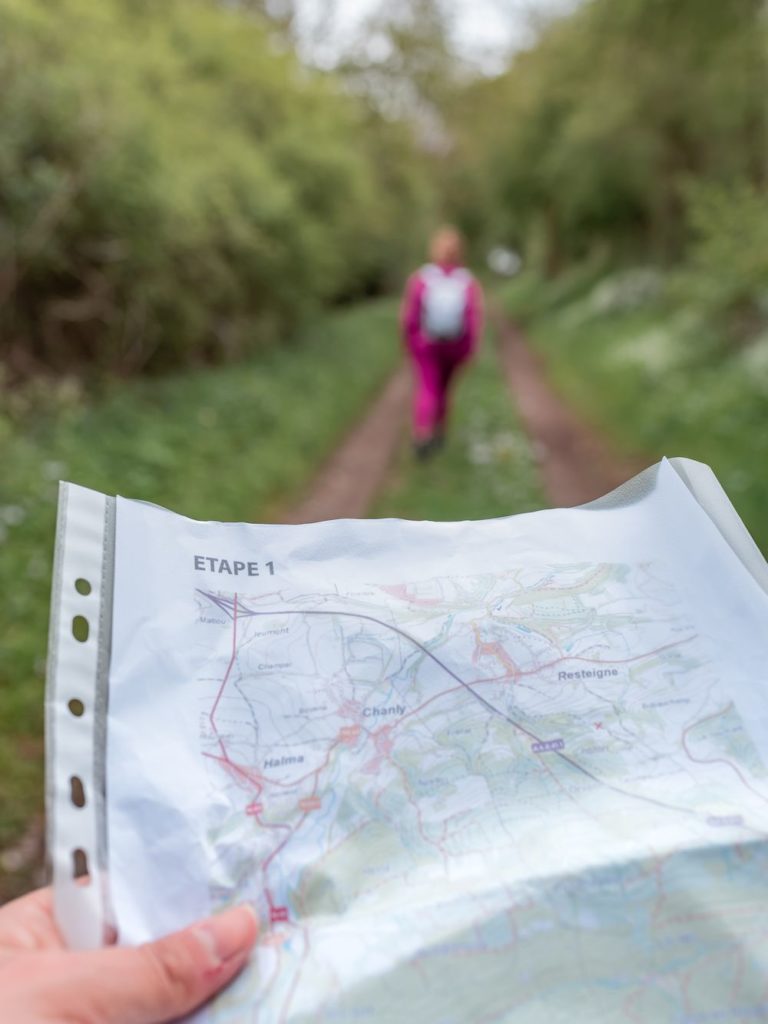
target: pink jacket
410 315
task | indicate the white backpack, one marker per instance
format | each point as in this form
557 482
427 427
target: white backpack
444 301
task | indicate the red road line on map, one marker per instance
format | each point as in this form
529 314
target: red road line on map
260 780
717 760
442 693
293 829
316 772
609 661
494 679
266 824
238 768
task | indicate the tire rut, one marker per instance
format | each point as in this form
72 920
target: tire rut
576 463
347 485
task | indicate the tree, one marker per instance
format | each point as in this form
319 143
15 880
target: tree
593 134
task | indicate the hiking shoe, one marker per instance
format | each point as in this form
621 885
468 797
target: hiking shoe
423 449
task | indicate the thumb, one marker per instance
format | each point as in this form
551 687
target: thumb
163 980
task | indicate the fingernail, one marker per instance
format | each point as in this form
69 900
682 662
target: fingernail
229 933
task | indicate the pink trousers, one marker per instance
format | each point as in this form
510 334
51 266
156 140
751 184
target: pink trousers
435 364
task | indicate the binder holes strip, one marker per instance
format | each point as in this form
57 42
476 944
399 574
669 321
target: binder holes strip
80 584
81 629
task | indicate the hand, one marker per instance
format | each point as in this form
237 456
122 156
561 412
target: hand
42 982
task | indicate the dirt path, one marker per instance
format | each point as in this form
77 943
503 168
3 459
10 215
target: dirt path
575 462
347 485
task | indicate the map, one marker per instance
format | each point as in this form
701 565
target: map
414 781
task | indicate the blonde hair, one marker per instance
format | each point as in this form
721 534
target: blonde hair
447 245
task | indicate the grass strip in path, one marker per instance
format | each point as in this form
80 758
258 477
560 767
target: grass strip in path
486 468
576 463
232 443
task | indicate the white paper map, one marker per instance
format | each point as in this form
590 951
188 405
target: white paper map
511 771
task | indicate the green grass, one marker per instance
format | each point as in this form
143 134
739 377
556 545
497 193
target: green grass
658 380
485 469
231 443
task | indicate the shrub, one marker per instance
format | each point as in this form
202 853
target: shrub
174 187
726 274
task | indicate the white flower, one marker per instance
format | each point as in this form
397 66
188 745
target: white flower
626 290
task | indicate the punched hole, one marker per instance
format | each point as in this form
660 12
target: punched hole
77 707
77 791
80 628
80 866
82 587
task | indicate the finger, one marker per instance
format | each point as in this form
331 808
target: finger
28 923
166 979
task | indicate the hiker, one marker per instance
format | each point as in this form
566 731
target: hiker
440 319
41 982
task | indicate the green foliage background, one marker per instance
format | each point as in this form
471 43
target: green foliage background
592 138
174 188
